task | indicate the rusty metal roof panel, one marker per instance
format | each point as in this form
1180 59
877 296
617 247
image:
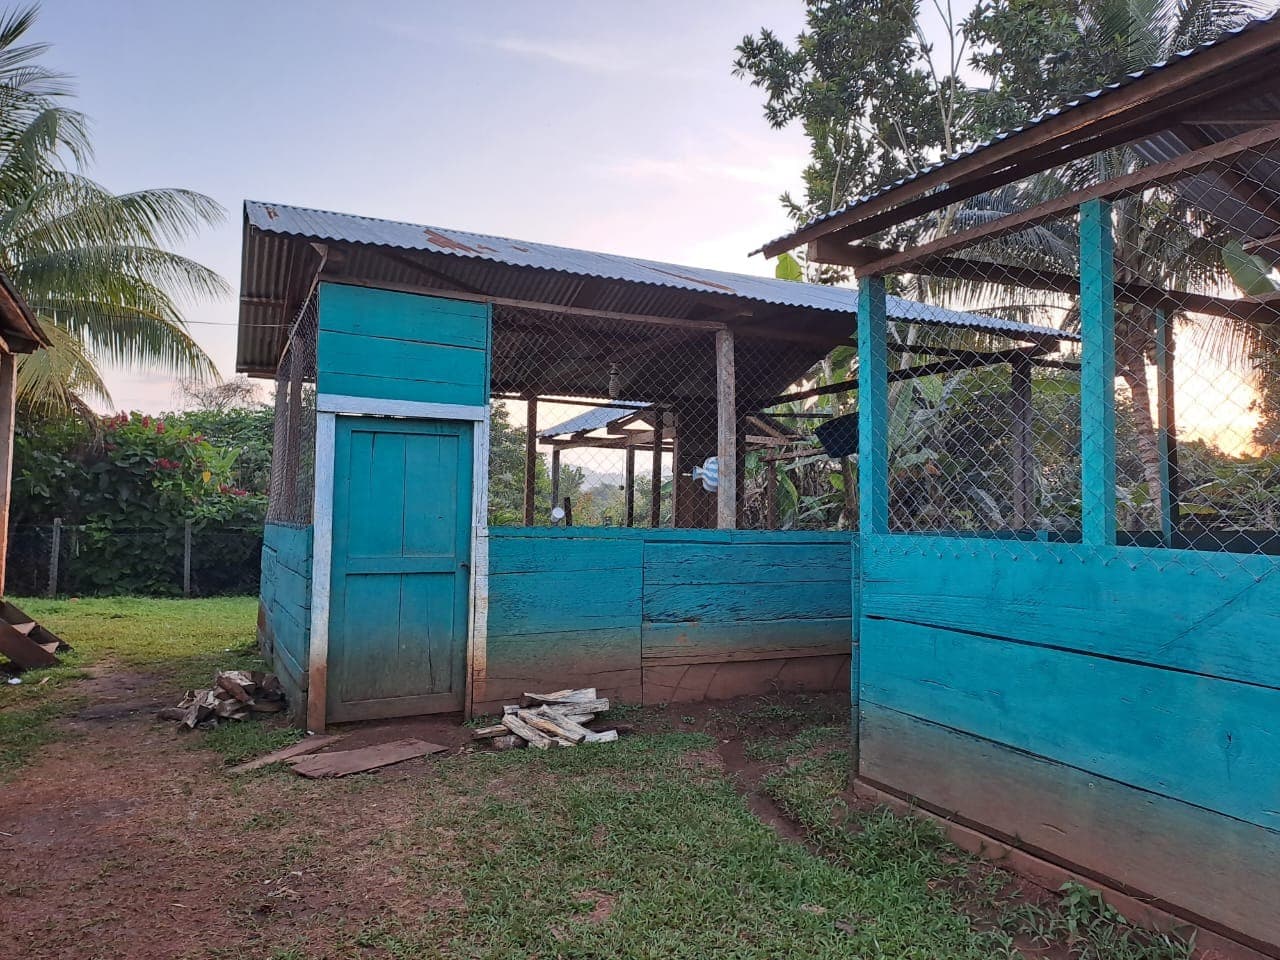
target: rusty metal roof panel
276 236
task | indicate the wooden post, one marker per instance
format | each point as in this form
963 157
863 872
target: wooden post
8 415
1166 427
631 486
292 439
530 459
726 432
873 408
655 479
568 512
1097 376
1020 414
771 494
186 559
55 554
555 476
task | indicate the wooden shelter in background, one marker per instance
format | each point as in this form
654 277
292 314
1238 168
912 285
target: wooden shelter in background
1097 706
19 333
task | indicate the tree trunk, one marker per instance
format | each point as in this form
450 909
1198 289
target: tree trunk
1134 373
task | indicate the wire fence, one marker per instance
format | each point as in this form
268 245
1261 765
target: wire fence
602 421
1187 315
193 559
293 449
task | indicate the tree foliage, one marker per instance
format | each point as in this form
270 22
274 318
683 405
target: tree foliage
97 268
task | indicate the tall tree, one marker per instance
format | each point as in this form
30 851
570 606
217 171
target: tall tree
98 268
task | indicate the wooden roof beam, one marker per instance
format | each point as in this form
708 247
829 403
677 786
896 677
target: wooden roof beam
1215 156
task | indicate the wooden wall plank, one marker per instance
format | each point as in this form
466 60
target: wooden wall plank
759 562
285 598
744 639
720 602
1202 740
1202 862
1097 375
394 315
1190 610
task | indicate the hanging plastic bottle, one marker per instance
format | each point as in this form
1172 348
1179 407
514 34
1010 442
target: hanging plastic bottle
708 474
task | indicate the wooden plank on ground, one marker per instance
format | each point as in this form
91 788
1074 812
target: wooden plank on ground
301 748
341 763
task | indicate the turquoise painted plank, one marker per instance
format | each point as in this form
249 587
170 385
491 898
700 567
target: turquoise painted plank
1207 613
1097 375
744 639
403 316
1201 740
551 602
381 388
558 556
669 534
357 356
1200 861
873 407
665 603
679 563
576 652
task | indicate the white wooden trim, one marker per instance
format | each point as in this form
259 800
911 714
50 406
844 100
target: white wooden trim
478 626
321 571
371 406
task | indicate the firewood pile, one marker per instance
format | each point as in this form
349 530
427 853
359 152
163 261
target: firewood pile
543 720
235 695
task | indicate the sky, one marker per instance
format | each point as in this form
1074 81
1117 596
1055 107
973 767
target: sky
605 125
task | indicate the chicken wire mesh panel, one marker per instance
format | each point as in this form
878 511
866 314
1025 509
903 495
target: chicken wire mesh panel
624 420
1180 271
294 441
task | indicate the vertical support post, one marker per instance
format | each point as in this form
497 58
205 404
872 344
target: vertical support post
873 408
186 559
555 476
292 438
530 458
655 475
8 405
1097 375
630 481
1020 414
321 573
726 432
1166 428
55 554
771 494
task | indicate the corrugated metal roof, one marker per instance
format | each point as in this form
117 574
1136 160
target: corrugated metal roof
528 271
594 419
1029 125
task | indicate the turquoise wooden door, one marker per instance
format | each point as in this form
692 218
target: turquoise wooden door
401 564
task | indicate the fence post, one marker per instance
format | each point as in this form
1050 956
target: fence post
186 559
1097 376
55 551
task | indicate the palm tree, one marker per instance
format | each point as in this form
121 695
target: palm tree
1160 239
96 267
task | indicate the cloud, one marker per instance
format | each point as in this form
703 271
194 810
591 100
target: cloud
592 57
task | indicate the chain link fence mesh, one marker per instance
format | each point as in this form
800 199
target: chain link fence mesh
294 444
995 450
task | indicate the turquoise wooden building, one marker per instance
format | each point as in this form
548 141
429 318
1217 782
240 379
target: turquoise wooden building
1100 699
386 591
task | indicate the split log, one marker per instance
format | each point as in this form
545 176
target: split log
485 733
509 742
340 763
517 726
580 706
230 683
564 696
553 726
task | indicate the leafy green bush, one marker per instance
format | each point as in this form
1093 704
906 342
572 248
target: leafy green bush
125 488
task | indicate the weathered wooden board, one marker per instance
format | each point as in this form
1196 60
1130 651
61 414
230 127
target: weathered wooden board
341 763
1202 862
688 682
299 749
1190 610
285 594
399 346
694 641
1198 739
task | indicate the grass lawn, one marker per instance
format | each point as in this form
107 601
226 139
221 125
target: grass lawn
182 641
645 848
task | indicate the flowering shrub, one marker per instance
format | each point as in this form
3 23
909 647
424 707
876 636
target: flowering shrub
125 488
